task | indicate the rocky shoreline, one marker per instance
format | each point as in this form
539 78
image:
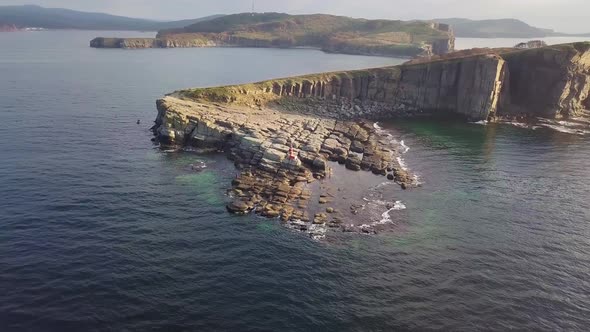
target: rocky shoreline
270 183
284 134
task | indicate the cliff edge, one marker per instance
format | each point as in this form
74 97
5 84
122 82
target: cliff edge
550 82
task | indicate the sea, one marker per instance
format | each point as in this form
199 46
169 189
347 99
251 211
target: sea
100 230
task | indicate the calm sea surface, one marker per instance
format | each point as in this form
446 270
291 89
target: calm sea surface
100 231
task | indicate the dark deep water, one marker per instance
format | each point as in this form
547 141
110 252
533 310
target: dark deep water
100 231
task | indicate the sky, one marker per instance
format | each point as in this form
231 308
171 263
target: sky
561 15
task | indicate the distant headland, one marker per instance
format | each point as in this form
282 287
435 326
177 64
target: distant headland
335 34
16 18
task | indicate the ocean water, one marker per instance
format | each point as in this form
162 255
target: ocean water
101 231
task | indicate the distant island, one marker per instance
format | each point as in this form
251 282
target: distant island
14 18
498 28
335 34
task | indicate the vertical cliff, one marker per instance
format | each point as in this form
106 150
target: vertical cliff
467 87
551 82
446 45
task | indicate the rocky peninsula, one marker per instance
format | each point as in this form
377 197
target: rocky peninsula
329 33
282 134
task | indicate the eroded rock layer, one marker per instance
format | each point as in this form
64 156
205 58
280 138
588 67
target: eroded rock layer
550 82
278 154
467 87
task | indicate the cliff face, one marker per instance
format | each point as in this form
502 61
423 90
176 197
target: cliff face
445 45
101 42
439 46
465 87
8 28
551 82
135 43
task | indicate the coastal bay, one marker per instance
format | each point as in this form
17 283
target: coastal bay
103 230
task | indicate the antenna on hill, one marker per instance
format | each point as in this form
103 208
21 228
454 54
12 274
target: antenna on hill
253 6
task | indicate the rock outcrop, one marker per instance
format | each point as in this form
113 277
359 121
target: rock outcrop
8 28
135 43
466 87
550 82
278 154
283 134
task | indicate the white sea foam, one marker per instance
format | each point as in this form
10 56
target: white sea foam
317 232
417 180
383 184
386 217
519 125
406 148
566 130
403 147
580 125
568 127
481 122
402 164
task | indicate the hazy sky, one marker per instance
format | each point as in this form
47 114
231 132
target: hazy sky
561 15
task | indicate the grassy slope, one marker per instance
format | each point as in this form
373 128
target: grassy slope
509 28
56 18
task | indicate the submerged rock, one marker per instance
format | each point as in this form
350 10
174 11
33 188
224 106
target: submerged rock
238 207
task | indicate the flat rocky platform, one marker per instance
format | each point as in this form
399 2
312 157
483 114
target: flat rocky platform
259 142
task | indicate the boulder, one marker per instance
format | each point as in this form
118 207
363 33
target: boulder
353 163
238 207
320 163
274 155
291 164
357 147
330 144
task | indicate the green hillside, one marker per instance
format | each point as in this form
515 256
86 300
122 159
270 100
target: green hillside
57 18
500 28
331 33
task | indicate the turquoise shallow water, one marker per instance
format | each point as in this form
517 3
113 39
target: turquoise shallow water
101 231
